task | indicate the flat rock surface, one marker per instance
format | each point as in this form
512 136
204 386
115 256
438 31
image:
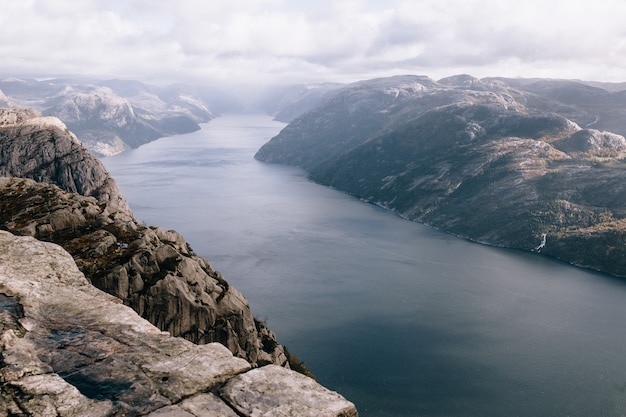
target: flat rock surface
276 391
69 349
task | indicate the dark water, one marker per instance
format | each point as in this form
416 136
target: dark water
400 319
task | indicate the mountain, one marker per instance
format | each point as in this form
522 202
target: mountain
502 162
54 190
288 102
112 115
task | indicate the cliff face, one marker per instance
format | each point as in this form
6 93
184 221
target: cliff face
68 349
42 148
480 159
149 269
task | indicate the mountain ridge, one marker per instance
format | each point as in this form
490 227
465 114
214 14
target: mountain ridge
111 116
497 161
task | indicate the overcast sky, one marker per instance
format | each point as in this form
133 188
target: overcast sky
272 41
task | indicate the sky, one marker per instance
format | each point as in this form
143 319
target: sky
294 41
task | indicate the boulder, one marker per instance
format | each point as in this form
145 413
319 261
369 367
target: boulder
276 391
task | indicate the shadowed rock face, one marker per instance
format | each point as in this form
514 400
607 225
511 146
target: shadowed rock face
68 349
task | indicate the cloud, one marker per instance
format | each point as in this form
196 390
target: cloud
287 40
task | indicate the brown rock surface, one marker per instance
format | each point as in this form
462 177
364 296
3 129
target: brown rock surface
150 269
70 349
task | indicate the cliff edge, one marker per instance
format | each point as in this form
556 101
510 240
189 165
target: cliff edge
43 149
69 349
71 200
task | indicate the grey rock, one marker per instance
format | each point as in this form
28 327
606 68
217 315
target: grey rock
592 142
275 391
207 404
150 269
87 353
68 349
43 149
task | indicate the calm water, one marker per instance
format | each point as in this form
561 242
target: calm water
400 319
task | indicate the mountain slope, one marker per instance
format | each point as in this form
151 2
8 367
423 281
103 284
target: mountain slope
479 159
112 116
65 195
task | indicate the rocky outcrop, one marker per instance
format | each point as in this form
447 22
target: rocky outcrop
255 393
43 149
593 143
68 349
150 269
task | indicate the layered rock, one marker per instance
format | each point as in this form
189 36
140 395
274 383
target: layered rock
150 269
68 349
42 148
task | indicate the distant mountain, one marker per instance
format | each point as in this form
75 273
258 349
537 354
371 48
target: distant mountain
288 102
4 100
114 115
503 162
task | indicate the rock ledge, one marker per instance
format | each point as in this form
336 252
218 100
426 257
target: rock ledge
69 349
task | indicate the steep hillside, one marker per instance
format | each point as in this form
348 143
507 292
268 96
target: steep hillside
76 204
479 159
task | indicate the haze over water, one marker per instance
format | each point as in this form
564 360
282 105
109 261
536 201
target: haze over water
399 318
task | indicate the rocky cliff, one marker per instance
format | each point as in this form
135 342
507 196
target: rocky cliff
42 148
499 162
149 269
68 349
